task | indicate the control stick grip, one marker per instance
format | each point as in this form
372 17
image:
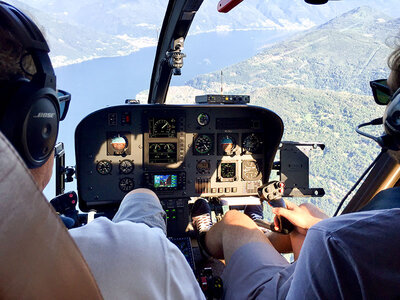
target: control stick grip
285 227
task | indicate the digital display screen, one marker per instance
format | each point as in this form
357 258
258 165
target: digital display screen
162 127
165 181
162 153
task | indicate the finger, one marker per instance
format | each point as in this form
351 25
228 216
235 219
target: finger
288 214
290 205
276 223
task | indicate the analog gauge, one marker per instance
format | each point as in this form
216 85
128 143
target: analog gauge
126 184
251 143
203 119
228 170
169 147
119 143
104 167
250 170
162 126
126 166
155 147
227 144
162 153
203 166
203 144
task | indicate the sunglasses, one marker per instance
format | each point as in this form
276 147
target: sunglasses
64 98
381 91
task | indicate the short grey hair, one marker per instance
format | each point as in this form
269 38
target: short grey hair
14 59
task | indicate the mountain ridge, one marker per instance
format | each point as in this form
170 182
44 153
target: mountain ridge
325 57
94 28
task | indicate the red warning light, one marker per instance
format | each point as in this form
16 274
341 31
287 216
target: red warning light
226 5
70 195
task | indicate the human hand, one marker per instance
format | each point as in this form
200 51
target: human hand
303 216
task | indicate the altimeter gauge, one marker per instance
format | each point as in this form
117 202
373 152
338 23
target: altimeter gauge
251 143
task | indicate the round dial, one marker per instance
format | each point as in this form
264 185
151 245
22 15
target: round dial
203 144
251 143
250 170
126 184
104 167
126 166
162 126
228 170
155 147
169 147
227 144
203 119
203 166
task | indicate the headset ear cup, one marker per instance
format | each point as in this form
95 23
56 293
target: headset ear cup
391 117
31 121
39 131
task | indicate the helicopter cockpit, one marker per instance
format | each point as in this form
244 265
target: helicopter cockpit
221 148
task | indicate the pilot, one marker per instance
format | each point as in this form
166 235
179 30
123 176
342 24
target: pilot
130 257
352 256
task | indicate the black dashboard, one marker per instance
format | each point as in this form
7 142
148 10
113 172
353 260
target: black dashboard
179 151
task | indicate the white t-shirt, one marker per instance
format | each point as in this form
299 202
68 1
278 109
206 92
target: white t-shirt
133 261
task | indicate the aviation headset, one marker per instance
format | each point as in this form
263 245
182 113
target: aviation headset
29 109
390 140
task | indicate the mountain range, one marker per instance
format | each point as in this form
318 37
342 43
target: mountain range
328 57
83 30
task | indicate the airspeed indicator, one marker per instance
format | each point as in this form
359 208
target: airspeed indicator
203 144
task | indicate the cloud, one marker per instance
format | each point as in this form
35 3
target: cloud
207 61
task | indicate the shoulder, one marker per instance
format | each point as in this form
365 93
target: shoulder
132 260
351 232
365 219
123 238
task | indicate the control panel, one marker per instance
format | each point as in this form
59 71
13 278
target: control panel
179 151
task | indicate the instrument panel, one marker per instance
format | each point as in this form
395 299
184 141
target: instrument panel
176 150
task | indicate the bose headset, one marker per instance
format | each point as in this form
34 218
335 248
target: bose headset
29 109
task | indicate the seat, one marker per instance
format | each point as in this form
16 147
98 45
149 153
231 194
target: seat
38 258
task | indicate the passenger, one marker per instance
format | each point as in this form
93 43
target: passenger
353 256
130 257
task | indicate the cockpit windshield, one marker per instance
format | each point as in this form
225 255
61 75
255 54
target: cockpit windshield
311 65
